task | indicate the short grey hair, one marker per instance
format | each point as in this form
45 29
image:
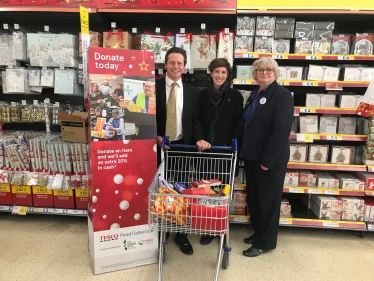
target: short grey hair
265 61
115 111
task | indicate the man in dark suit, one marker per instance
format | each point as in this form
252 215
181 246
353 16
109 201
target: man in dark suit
177 114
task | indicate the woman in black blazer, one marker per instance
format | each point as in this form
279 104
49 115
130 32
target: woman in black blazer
267 120
220 111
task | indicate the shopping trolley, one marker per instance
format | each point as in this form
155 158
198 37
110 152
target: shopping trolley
203 214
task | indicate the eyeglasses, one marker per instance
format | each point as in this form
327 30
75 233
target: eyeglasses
268 70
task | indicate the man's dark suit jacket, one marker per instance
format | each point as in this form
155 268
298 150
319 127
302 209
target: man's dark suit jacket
191 126
265 137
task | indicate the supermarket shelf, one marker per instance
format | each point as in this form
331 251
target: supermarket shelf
323 136
326 166
255 55
166 11
370 168
304 83
305 12
370 226
327 191
326 110
239 186
48 211
369 192
44 9
313 223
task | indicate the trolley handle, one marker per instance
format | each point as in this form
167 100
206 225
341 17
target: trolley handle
233 147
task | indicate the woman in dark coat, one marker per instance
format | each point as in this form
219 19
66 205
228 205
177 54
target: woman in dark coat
221 111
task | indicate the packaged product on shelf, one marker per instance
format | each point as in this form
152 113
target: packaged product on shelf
318 153
303 46
350 182
363 44
298 152
367 74
322 179
117 39
294 125
226 46
237 210
243 71
285 20
240 177
341 44
341 155
304 34
369 210
245 25
240 198
294 72
328 124
315 72
281 46
307 178
352 73
324 214
353 215
353 203
313 100
96 40
17 80
19 46
347 125
309 124
322 34
283 34
331 73
34 77
159 44
325 202
47 77
327 25
52 50
285 26
203 50
368 178
282 73
359 155
321 46
285 209
184 41
66 82
347 101
291 178
328 100
263 44
243 43
6 50
305 25
265 26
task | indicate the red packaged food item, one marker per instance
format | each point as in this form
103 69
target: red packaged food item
210 182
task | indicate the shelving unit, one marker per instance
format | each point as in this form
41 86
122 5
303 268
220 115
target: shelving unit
48 211
305 83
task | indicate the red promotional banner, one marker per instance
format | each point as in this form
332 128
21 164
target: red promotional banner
167 4
49 3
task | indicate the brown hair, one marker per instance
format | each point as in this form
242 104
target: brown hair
219 62
176 50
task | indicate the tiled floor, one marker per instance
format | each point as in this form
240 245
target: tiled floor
51 248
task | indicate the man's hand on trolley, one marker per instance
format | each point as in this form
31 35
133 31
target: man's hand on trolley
202 145
159 142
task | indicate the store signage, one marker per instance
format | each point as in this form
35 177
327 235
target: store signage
308 5
123 158
47 4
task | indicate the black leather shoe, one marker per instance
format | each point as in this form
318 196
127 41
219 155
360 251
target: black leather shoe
253 252
207 239
184 244
248 240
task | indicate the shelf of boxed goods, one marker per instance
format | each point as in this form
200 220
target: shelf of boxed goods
305 83
44 211
323 110
326 166
314 223
255 55
309 137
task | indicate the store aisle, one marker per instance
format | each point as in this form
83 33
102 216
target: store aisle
41 248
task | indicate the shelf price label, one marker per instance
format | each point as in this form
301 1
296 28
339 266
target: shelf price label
55 211
309 84
315 57
250 56
5 208
285 221
330 192
330 224
5 26
236 219
307 110
280 57
370 227
75 212
314 191
21 189
68 192
282 83
5 187
334 138
41 190
344 58
16 26
19 210
81 192
294 190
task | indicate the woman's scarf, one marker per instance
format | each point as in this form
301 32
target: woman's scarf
216 97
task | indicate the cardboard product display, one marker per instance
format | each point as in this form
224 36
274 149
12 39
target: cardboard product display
303 46
265 26
226 46
64 199
347 125
81 198
184 41
96 40
321 46
328 124
52 50
203 50
74 127
291 178
341 155
5 194
158 44
341 44
117 39
307 178
21 195
309 124
363 44
353 215
318 153
245 26
263 44
243 43
298 152
42 197
281 46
